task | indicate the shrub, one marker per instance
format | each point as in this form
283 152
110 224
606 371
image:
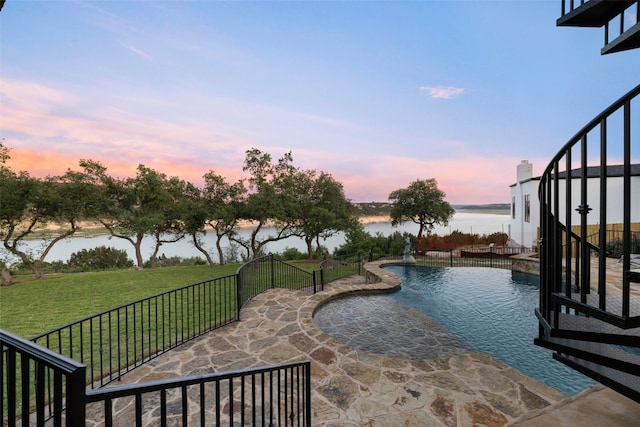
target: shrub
291 254
360 241
614 247
165 261
100 258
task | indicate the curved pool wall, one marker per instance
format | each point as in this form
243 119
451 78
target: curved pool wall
486 310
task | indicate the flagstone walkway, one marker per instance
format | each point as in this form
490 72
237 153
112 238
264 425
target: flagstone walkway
447 386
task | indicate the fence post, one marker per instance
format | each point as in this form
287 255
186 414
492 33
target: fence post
238 302
314 281
450 257
322 279
273 271
76 400
359 261
307 392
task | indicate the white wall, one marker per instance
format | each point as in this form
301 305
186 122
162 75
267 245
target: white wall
615 199
525 233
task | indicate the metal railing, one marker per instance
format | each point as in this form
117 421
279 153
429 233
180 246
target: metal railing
276 395
40 387
37 384
99 349
342 266
619 18
266 272
571 182
472 257
622 24
113 342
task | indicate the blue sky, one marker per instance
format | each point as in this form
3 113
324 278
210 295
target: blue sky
377 93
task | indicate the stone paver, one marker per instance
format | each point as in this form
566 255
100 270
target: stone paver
447 386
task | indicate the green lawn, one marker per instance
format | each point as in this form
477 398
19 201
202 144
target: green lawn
30 306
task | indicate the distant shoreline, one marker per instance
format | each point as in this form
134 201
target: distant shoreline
373 219
90 228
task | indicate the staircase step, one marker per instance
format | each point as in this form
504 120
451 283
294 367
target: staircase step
624 383
613 312
630 39
591 329
594 352
593 13
634 276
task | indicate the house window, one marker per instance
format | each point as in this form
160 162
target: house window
513 207
527 208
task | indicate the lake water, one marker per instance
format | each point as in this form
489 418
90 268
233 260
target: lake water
466 222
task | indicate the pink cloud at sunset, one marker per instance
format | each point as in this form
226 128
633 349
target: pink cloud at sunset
42 163
464 180
188 87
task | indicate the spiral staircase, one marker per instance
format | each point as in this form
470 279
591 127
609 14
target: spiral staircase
589 312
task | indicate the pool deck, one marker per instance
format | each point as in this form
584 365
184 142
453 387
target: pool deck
352 387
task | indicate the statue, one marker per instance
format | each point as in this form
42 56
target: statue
407 251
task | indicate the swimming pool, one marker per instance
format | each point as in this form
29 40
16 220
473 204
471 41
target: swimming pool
487 310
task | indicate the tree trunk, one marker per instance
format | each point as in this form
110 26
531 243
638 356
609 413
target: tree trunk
309 240
219 247
6 276
37 270
154 256
199 247
138 246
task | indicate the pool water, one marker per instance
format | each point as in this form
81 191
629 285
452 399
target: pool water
491 311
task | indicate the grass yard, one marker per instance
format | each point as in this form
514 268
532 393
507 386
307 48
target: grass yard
30 306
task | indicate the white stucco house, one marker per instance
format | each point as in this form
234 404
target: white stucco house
525 205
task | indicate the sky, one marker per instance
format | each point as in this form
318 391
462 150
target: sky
376 93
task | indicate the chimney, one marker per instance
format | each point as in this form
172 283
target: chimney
525 171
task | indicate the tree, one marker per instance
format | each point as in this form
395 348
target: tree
423 203
148 204
216 206
171 204
322 207
356 241
269 200
29 204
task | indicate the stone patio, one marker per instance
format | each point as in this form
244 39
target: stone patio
449 386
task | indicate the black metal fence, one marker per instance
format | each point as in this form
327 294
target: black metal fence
492 257
473 257
38 383
41 378
338 267
40 387
271 396
113 342
266 272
